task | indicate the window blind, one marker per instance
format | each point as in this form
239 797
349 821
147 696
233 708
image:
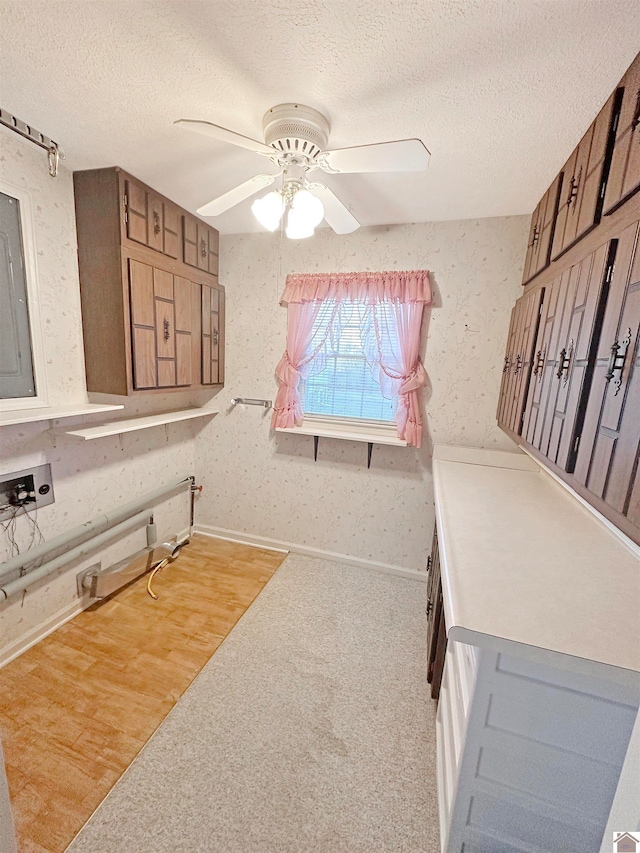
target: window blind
340 381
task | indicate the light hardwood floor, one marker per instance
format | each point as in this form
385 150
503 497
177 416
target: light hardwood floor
77 708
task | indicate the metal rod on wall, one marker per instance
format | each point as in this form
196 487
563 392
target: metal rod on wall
27 132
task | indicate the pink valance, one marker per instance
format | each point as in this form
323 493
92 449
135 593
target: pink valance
372 288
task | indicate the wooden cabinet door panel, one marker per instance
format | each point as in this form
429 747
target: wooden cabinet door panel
506 367
183 289
144 358
543 224
545 363
190 241
587 293
170 220
211 336
166 373
531 245
624 177
141 294
213 251
165 329
155 224
162 284
203 246
184 367
567 203
608 455
136 212
221 331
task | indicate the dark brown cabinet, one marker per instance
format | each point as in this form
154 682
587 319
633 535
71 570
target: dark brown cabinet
609 453
436 628
624 175
145 327
563 362
579 403
585 174
542 230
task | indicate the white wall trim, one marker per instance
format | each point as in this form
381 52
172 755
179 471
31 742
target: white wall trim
284 547
15 649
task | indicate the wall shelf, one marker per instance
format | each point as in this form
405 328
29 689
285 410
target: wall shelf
135 424
53 413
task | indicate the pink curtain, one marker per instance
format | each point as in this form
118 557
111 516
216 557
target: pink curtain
391 324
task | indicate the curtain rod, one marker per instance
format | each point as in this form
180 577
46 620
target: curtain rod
25 130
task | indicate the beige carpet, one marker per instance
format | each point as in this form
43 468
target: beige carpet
309 731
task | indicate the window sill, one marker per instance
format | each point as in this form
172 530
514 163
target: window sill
348 431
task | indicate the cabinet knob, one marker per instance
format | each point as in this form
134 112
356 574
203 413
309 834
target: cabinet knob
541 357
564 361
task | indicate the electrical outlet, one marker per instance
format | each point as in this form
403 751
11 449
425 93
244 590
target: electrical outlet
25 490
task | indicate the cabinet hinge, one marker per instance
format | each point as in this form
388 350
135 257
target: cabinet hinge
609 274
126 208
576 443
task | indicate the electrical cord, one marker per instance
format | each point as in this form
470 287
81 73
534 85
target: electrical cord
154 572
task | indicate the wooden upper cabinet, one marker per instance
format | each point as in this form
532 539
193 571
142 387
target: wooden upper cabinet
142 307
149 219
200 245
608 454
584 183
624 176
543 223
518 362
569 332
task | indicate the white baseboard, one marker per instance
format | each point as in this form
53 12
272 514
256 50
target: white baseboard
284 547
15 649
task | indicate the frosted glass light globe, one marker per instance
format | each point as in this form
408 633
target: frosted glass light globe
268 210
309 207
297 226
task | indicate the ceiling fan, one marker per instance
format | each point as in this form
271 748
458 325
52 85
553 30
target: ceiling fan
295 141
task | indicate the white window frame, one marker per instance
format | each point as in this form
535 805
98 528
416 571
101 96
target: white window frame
41 399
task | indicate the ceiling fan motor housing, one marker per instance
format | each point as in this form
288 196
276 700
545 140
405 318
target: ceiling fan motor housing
296 131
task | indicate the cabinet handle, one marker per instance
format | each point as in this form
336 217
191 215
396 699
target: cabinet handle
203 248
166 333
574 184
429 606
156 222
518 365
216 337
617 360
507 364
636 115
541 357
429 562
563 363
534 238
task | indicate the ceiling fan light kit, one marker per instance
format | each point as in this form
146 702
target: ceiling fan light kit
295 141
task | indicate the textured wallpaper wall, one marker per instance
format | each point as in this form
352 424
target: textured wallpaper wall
267 484
88 477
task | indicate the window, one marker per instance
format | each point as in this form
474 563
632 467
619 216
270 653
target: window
340 382
21 363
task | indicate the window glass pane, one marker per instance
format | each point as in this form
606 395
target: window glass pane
344 386
16 367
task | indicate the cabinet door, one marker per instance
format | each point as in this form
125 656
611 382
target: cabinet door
170 220
212 335
143 325
536 423
518 361
436 629
190 241
203 246
155 224
608 455
214 239
188 325
624 177
584 176
165 327
543 225
579 338
136 211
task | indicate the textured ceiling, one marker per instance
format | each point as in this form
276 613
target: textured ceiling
499 90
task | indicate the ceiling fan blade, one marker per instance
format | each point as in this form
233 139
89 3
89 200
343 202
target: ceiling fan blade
224 135
236 195
336 214
403 155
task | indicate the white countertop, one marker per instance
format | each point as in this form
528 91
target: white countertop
524 562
